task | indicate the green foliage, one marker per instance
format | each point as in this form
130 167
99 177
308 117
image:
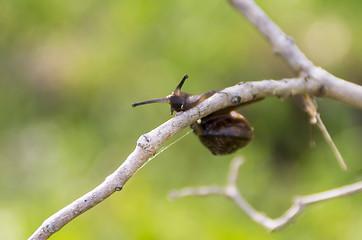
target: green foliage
70 70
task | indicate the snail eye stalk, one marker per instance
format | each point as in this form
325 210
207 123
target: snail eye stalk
156 100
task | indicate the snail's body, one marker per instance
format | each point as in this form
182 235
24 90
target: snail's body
222 132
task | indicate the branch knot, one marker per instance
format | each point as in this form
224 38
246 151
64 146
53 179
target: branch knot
145 143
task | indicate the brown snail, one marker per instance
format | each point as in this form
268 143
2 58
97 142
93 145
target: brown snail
222 132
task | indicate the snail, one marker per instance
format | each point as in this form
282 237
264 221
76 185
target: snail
222 132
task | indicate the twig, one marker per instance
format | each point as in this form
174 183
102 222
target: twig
285 46
231 191
315 119
148 143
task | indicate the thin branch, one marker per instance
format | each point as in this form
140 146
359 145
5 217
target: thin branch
149 143
313 81
310 107
284 45
234 170
232 192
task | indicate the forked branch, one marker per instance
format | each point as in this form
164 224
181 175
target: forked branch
231 191
284 45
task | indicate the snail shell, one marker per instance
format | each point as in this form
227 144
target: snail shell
223 133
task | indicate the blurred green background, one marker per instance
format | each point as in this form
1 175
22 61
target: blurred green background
70 70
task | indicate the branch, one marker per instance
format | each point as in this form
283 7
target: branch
333 87
148 143
313 80
310 107
231 191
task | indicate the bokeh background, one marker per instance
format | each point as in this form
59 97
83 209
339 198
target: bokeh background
70 70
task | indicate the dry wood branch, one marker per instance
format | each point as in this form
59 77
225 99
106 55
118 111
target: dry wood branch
285 46
315 118
148 143
232 192
313 80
